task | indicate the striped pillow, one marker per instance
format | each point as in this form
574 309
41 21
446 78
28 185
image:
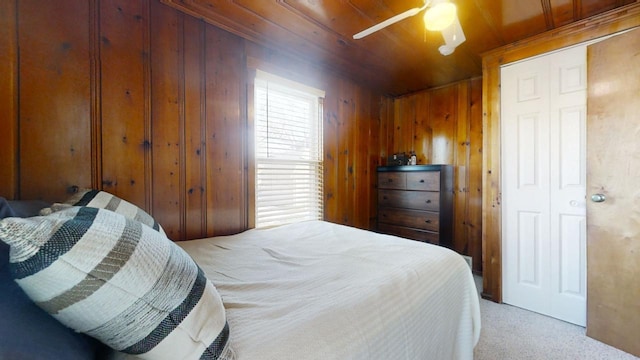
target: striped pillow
104 200
118 280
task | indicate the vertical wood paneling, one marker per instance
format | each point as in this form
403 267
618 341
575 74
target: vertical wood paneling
404 124
358 168
55 98
474 214
153 104
362 135
330 128
387 112
8 100
346 127
461 175
225 130
96 100
123 53
491 205
251 149
423 137
400 108
195 134
167 120
443 124
374 158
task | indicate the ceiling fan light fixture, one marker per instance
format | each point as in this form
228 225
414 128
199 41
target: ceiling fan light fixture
439 16
453 36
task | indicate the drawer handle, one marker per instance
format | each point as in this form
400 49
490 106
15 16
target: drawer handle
384 198
428 201
421 180
428 221
390 180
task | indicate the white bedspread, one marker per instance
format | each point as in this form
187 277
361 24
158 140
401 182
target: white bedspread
317 290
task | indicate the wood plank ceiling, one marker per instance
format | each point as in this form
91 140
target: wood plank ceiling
402 58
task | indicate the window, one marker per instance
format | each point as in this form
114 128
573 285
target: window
288 145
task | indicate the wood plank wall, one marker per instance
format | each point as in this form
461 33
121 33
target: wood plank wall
444 126
152 105
140 100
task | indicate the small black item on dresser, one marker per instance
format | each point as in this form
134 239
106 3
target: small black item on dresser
398 159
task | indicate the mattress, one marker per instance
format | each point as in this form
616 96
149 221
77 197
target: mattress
317 290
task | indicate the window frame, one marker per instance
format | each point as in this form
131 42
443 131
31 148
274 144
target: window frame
254 73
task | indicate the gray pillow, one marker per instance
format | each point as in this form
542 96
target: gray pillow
5 209
27 208
21 208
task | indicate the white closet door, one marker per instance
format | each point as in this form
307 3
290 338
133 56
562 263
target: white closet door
543 122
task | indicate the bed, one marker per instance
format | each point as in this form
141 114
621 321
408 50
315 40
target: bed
336 292
318 290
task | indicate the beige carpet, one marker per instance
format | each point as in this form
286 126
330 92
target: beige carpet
509 332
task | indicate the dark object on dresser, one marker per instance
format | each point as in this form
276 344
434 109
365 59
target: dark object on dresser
416 202
397 159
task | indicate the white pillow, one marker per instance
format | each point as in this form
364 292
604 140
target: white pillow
119 281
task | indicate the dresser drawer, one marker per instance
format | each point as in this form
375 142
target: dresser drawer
417 200
410 233
429 181
424 220
392 180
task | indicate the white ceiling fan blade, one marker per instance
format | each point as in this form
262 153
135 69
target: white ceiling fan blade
389 21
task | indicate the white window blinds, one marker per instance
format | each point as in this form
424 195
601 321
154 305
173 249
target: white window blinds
288 158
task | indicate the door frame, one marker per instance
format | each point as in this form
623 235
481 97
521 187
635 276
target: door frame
611 22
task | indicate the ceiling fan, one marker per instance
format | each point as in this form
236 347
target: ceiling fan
440 15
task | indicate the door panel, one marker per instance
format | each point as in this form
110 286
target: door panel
529 249
525 167
613 315
571 242
567 127
544 179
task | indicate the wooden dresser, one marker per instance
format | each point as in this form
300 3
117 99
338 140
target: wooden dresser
416 202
